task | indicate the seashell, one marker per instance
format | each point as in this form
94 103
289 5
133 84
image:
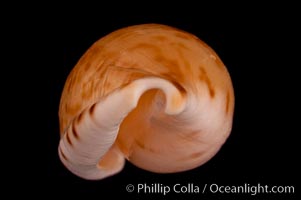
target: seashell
151 94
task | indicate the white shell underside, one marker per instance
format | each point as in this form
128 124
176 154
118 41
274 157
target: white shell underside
89 148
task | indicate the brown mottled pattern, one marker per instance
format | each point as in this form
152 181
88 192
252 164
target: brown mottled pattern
146 46
170 63
92 109
196 155
161 38
182 57
87 66
68 139
132 53
143 146
193 134
204 77
63 155
179 87
140 144
79 118
74 131
227 101
125 76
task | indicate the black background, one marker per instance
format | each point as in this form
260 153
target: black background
257 44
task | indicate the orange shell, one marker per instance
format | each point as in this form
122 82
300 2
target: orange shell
148 136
